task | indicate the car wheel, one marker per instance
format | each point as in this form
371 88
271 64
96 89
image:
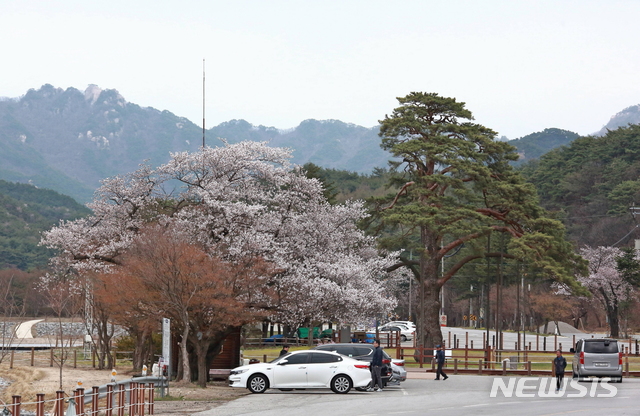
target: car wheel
403 338
341 384
619 380
257 383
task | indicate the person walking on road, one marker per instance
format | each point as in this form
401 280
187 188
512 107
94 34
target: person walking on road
440 362
559 364
376 367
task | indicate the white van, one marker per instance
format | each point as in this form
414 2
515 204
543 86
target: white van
600 357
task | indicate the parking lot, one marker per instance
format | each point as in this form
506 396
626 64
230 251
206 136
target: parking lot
460 395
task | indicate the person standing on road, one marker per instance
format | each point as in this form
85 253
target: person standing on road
285 350
440 362
376 367
559 364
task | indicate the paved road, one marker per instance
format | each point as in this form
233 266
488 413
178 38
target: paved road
23 330
458 396
510 338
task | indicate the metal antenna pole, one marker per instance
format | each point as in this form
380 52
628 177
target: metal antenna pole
203 102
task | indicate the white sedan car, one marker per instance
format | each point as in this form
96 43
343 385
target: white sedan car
410 324
303 370
406 333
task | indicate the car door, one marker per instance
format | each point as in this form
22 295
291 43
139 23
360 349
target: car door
322 368
292 373
576 357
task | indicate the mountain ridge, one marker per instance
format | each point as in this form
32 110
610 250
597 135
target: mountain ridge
69 140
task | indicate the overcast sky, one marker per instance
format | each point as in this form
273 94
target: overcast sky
521 66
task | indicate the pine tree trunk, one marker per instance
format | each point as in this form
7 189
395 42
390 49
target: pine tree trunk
431 334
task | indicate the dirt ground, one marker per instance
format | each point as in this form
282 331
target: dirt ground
183 398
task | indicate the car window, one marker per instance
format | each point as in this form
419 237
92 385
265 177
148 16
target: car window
340 349
601 347
346 350
325 358
360 351
275 360
298 358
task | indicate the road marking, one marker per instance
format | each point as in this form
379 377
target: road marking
477 405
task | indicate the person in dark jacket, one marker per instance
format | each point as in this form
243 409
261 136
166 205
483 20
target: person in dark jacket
376 367
285 350
440 362
559 364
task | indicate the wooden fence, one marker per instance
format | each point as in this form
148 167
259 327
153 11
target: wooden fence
76 359
132 398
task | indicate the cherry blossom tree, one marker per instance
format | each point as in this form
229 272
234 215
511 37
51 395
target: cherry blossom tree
63 295
605 281
237 201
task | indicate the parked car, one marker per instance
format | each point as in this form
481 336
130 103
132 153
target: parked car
398 370
304 369
361 352
276 339
410 324
406 333
600 357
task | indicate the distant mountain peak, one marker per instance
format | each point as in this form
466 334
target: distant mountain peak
630 115
92 93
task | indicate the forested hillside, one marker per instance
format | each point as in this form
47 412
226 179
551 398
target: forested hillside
534 145
26 211
342 185
593 183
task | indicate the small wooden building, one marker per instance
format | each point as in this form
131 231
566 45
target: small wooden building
228 358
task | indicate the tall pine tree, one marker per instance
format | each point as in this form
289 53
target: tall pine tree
456 189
